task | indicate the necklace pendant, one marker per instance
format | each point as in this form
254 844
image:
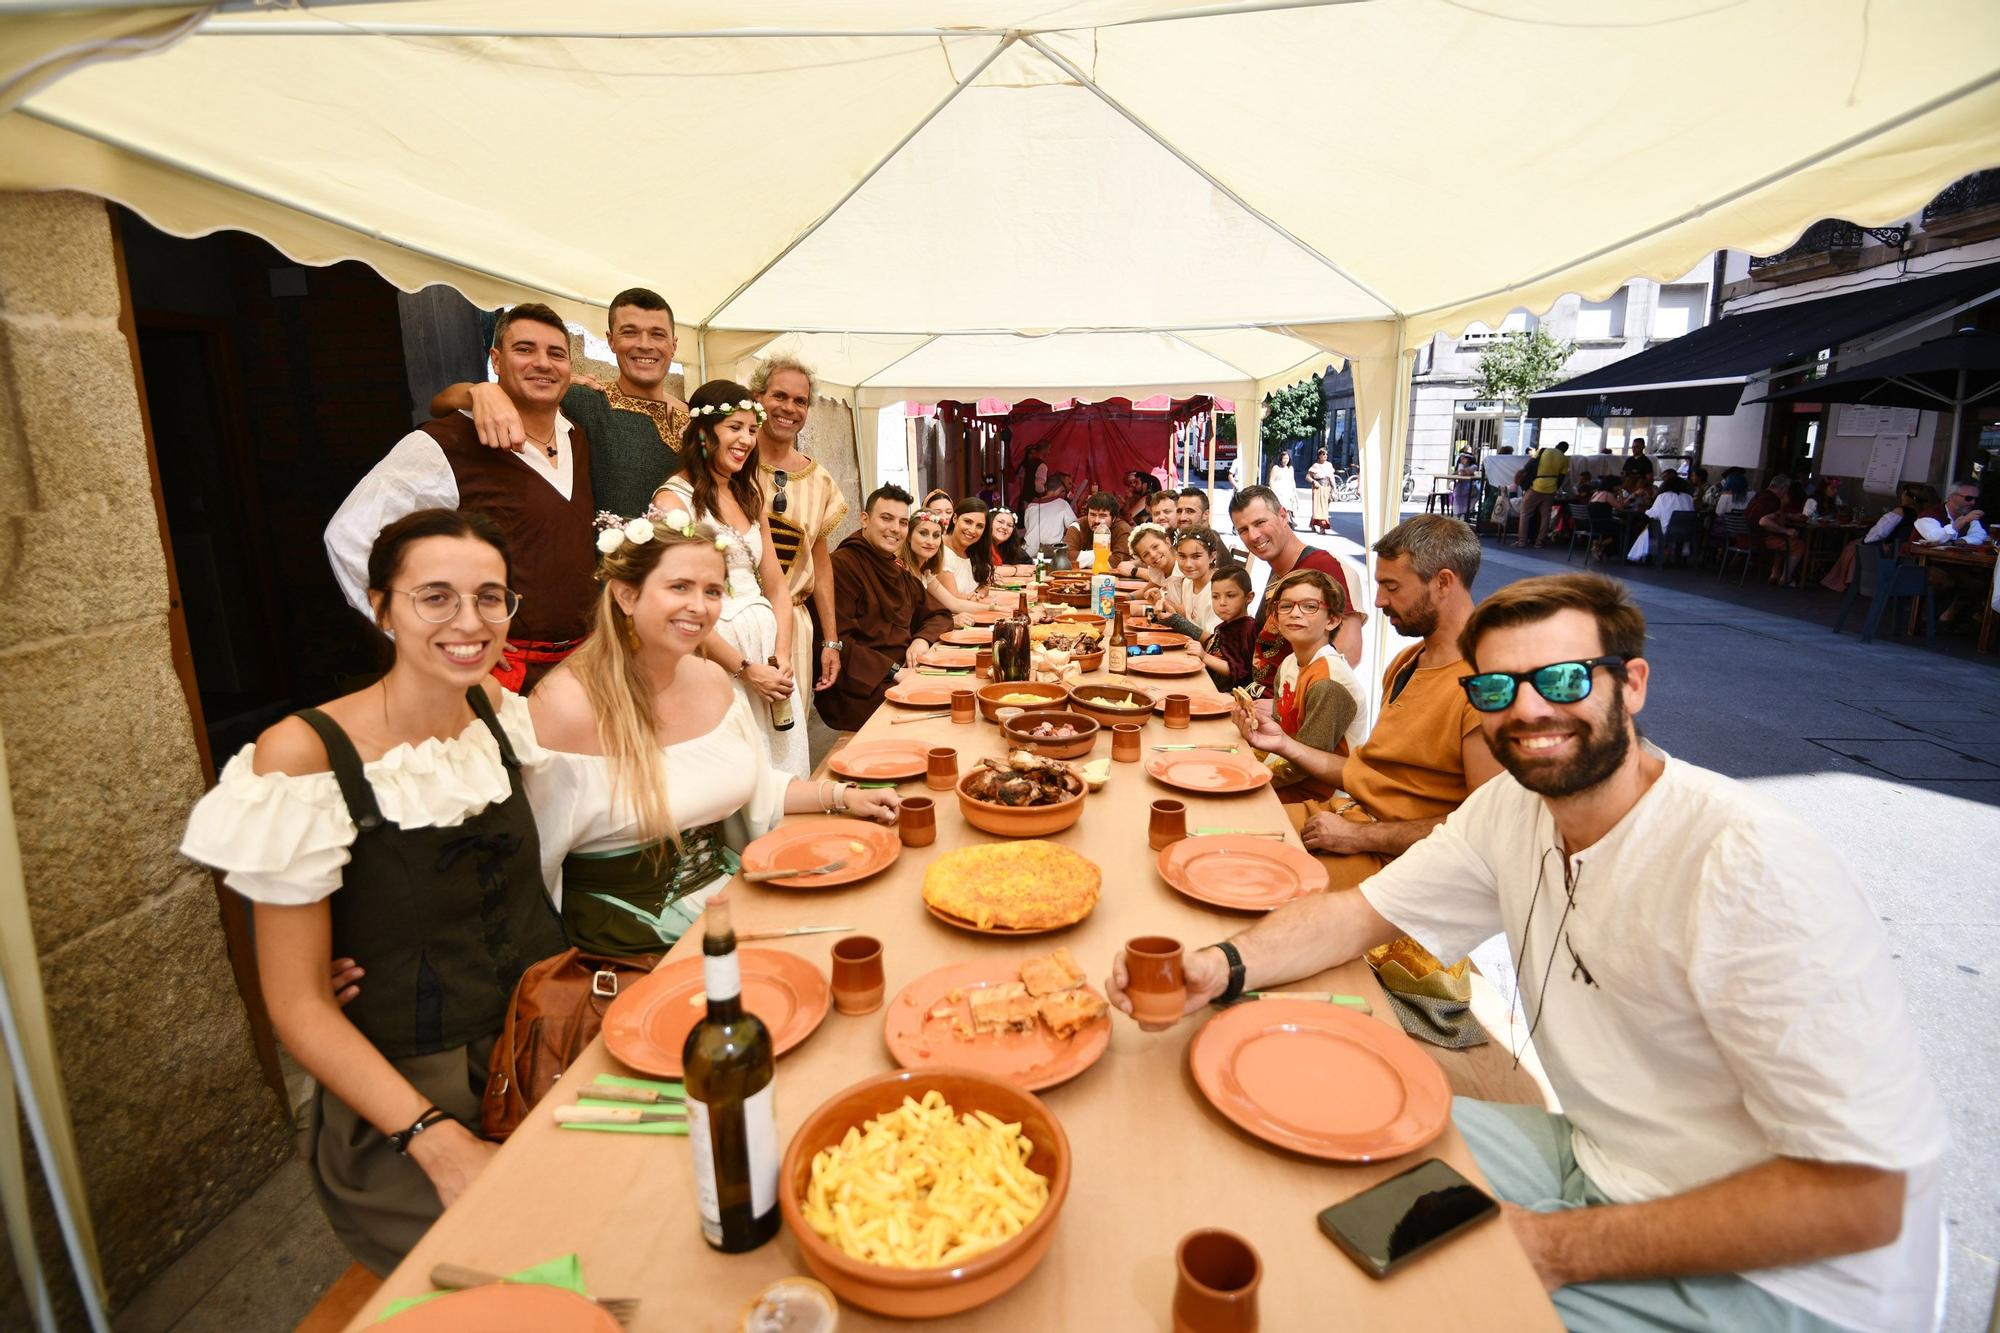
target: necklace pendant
551 451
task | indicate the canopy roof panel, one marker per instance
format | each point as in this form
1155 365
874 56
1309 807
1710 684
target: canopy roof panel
910 167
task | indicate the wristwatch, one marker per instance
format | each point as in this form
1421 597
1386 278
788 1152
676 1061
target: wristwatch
834 644
1234 990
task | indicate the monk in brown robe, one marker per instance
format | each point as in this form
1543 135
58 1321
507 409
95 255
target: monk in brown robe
884 621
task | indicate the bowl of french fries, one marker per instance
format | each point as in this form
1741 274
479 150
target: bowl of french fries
925 1192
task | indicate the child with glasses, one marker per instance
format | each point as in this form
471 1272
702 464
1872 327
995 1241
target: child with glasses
1316 697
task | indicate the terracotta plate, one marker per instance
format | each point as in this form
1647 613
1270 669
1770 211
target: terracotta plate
1320 1080
1130 585
646 1026
1209 771
949 657
921 693
963 924
506 1308
798 844
992 617
975 636
1166 638
1034 1060
1200 703
881 761
1166 664
1250 874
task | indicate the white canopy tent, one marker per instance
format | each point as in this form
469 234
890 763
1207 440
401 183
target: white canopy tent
1012 197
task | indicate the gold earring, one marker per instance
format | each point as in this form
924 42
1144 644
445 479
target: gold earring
631 633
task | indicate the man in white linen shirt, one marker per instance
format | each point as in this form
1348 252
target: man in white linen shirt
1750 1138
540 496
1954 521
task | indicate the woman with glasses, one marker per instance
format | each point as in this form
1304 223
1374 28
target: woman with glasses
752 640
392 825
1316 697
657 772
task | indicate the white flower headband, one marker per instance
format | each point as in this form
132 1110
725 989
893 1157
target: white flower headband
728 409
613 532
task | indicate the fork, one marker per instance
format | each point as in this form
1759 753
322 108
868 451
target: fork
457 1277
760 876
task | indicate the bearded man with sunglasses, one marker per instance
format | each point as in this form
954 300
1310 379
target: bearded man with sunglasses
1750 1139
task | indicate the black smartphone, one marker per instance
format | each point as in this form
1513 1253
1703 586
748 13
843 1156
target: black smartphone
1386 1226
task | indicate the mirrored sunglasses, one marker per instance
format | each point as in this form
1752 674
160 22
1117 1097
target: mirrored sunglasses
1558 682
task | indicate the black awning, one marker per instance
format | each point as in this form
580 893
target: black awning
1703 373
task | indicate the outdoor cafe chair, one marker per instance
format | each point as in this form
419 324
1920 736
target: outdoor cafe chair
1683 529
1737 540
1881 577
1593 523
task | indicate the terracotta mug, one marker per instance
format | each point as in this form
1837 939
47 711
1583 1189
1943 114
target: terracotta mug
857 974
1169 823
1154 981
982 665
1180 708
916 822
1125 745
1216 1286
964 707
942 771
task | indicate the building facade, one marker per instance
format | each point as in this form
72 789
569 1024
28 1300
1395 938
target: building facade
1445 407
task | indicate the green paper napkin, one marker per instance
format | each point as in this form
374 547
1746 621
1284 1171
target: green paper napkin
674 1090
566 1272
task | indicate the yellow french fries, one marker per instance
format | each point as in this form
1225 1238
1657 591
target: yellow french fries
923 1186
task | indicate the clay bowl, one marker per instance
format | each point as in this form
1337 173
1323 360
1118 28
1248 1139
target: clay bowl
1090 698
990 695
1016 730
1020 821
1068 596
926 1293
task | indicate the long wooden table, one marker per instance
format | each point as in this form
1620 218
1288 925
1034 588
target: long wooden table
1152 1159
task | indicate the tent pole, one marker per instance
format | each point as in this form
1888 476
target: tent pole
1957 414
1214 424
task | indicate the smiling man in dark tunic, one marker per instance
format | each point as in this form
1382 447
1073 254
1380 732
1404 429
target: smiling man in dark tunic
884 622
635 425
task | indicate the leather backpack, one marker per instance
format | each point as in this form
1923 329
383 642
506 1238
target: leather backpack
557 1009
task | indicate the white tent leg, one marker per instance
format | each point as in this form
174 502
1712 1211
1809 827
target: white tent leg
1382 416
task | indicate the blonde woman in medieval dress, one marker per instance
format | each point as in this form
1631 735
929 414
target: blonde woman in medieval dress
752 640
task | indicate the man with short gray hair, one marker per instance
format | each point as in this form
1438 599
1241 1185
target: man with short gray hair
804 505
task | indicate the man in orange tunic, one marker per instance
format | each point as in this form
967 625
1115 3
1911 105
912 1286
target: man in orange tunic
1427 752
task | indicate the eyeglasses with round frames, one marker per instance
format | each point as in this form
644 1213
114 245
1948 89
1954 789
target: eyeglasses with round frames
1558 682
437 604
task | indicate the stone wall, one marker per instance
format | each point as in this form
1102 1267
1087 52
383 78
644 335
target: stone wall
829 437
174 1122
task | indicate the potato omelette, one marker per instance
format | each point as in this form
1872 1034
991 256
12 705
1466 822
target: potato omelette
1026 885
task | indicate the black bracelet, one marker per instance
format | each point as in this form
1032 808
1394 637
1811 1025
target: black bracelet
1234 990
423 1122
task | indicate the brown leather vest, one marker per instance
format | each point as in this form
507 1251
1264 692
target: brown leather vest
549 539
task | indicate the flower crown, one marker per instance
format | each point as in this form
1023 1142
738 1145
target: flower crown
613 532
727 409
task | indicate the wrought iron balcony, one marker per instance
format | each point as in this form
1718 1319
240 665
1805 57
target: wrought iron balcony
1976 193
1828 242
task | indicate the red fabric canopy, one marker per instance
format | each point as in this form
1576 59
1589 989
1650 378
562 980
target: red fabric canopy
1097 444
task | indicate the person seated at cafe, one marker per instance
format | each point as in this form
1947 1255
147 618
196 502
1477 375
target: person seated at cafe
1772 515
391 825
1317 699
1912 498
922 554
1672 499
885 622
1426 752
1003 539
1229 651
1823 501
1749 1137
1732 492
1100 514
656 771
1640 491
1705 493
1956 520
1045 512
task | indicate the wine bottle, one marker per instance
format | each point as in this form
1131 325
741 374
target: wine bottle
732 1120
781 709
1114 659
